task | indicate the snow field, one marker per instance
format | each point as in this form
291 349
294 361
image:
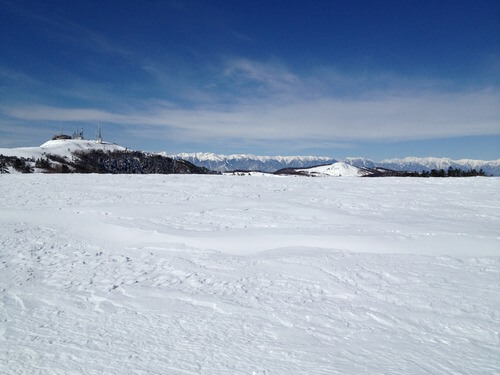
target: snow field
241 275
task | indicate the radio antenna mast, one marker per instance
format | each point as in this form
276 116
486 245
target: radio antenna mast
99 135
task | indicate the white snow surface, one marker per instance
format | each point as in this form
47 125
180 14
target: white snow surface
60 147
337 169
192 274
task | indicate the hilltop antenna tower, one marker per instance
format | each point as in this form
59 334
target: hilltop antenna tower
99 135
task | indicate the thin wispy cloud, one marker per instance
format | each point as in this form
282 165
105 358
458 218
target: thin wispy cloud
8 74
272 77
379 117
240 36
286 106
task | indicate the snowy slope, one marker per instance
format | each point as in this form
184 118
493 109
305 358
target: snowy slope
247 162
61 147
338 169
115 274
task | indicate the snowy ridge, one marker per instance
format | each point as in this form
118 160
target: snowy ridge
225 163
60 147
360 162
248 162
88 156
208 156
429 163
415 164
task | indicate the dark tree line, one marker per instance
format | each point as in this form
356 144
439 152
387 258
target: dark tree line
98 161
53 164
22 165
450 172
137 162
131 162
3 167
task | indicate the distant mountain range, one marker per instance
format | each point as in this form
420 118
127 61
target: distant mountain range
414 164
246 162
54 154
224 163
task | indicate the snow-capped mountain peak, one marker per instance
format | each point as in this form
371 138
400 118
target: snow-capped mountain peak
419 164
224 163
360 162
249 162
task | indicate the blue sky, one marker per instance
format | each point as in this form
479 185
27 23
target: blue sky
337 78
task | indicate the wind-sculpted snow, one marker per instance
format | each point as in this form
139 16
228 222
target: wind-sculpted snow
185 274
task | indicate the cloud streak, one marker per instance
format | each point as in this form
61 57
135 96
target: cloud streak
270 103
379 117
273 76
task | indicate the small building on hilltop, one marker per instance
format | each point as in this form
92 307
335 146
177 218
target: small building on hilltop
61 136
78 134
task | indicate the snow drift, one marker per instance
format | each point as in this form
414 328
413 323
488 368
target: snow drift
191 274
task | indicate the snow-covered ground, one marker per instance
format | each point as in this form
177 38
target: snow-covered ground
170 274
